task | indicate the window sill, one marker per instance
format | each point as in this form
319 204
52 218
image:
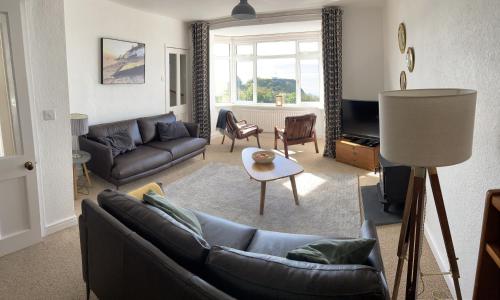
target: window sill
271 106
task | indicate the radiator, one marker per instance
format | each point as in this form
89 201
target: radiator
267 119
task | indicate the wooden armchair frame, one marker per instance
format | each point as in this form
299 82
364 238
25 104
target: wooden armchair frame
240 130
298 130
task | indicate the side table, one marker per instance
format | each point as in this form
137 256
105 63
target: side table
80 158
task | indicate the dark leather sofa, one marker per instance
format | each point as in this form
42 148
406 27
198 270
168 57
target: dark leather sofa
131 250
150 156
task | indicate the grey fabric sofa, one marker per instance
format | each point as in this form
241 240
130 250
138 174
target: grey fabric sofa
150 156
131 250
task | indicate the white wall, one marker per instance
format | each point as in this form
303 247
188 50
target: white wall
45 44
362 53
456 45
89 20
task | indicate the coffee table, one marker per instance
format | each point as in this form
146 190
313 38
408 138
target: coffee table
281 167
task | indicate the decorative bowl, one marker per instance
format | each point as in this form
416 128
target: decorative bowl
263 157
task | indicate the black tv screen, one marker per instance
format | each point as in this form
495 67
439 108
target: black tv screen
360 118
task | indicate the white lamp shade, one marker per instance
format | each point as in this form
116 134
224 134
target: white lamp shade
79 124
428 127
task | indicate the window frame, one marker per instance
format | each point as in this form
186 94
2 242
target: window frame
234 42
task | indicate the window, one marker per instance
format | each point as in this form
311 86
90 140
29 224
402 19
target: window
255 69
222 80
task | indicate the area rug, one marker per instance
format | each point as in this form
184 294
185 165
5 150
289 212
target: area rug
329 204
374 210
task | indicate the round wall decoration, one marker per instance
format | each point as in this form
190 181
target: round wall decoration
402 37
402 80
410 59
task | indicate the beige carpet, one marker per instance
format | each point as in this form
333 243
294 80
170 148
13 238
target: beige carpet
329 206
52 269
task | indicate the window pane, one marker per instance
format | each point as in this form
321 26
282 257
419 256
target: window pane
221 69
221 49
310 85
276 48
276 76
244 80
173 79
244 49
309 47
183 79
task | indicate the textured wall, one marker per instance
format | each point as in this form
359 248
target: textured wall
89 20
456 45
45 43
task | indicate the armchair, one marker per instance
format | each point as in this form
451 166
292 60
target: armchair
239 130
298 130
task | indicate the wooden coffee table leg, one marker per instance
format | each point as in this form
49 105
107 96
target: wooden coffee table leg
262 196
294 189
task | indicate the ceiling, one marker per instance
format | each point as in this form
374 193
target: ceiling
192 10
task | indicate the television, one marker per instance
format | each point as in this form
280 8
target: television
360 118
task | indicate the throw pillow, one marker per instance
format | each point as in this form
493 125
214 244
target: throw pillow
181 215
139 192
172 131
332 252
120 142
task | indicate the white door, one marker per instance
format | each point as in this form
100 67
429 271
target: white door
177 92
19 209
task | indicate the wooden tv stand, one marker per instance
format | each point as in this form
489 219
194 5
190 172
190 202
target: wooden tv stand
364 157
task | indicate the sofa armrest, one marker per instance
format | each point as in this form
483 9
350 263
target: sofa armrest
368 231
193 129
101 162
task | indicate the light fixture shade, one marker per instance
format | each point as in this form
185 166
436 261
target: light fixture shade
243 11
79 124
428 127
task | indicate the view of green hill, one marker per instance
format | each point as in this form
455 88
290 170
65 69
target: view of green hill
268 89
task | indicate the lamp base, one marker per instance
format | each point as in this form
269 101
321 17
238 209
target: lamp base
410 237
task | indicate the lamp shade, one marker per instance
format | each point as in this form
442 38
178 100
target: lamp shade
428 127
243 11
79 124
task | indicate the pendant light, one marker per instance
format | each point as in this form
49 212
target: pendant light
243 11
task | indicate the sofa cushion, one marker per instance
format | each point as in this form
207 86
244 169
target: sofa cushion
107 129
142 159
172 238
218 231
180 147
147 125
119 142
171 131
247 275
279 243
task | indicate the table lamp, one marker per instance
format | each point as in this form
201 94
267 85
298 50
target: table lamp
79 126
425 129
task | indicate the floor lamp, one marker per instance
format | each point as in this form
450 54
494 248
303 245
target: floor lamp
425 129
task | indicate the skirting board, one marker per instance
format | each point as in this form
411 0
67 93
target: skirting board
60 225
441 259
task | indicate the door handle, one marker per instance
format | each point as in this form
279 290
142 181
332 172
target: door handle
29 165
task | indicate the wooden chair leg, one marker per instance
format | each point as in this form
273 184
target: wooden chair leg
286 148
316 144
258 141
232 145
223 138
247 139
203 155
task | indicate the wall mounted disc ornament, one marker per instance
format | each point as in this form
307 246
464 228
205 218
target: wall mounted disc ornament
402 80
402 37
410 59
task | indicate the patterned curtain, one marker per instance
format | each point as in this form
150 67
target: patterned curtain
332 73
201 86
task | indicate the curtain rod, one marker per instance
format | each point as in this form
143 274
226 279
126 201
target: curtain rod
268 18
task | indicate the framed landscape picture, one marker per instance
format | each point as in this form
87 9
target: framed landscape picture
122 62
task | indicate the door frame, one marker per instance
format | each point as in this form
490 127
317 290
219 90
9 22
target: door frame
188 105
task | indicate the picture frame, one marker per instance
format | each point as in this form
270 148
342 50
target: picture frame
122 62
